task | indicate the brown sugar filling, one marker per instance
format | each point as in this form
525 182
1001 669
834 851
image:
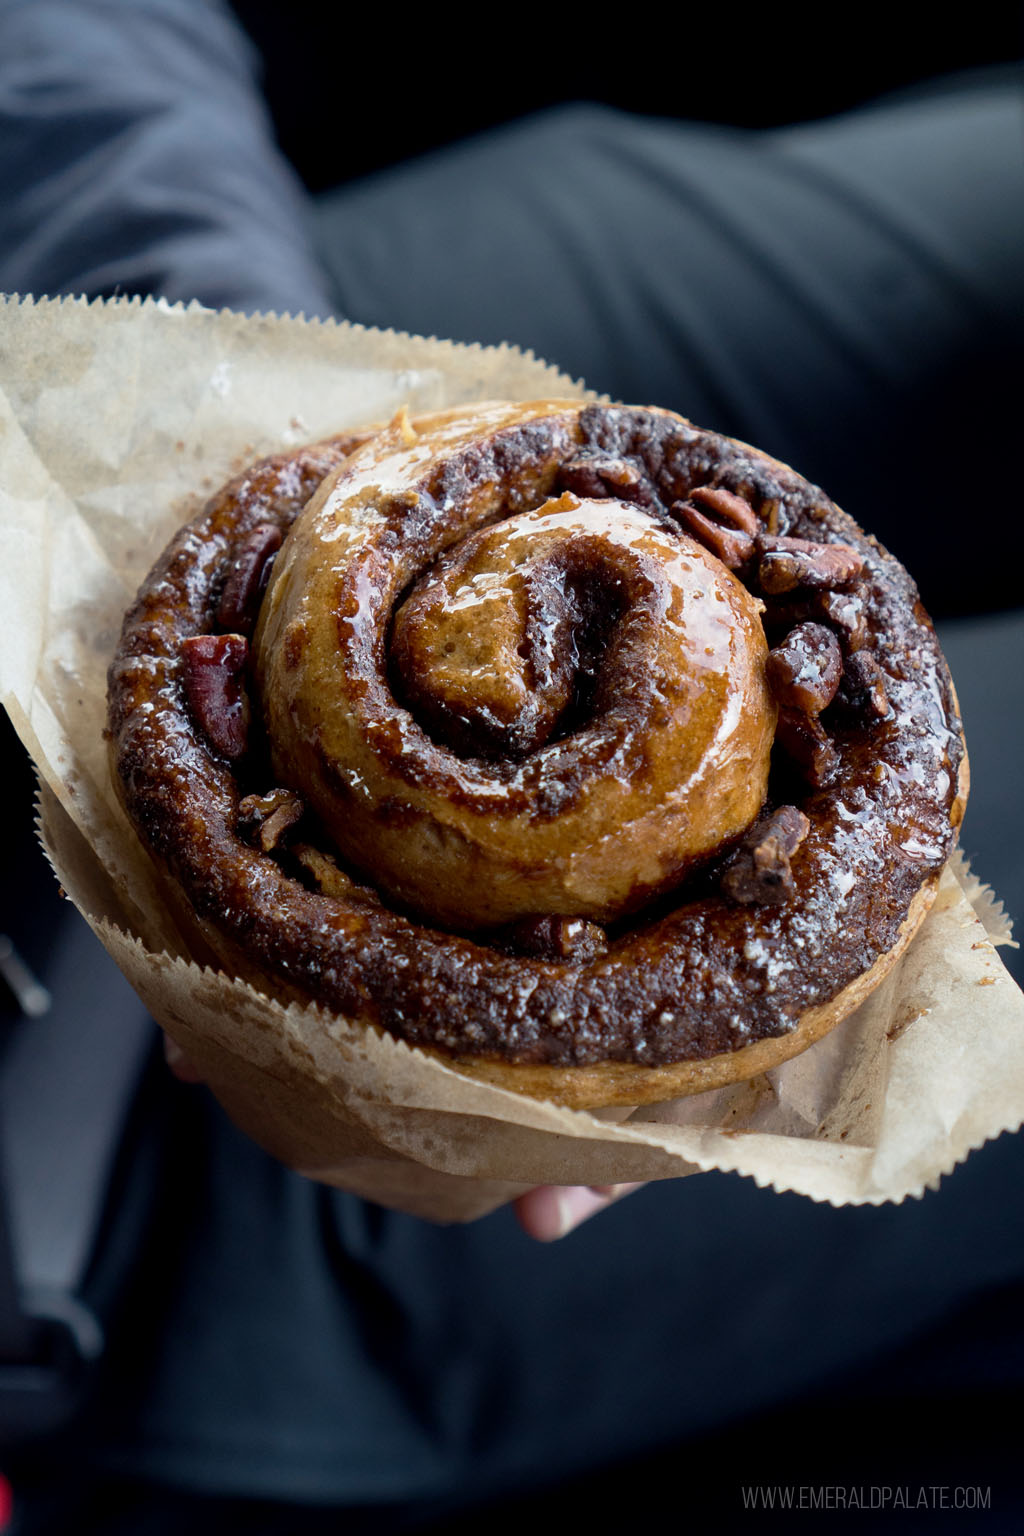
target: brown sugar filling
730 947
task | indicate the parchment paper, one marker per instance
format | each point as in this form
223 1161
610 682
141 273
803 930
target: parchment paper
116 421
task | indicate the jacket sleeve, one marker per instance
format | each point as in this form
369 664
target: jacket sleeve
137 157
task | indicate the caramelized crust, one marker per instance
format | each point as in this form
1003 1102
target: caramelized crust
685 973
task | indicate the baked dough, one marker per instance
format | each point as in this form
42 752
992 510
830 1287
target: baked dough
598 754
459 773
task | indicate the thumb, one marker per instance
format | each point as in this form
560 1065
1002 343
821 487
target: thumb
553 1210
180 1064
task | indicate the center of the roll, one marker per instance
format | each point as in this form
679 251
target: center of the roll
497 713
497 648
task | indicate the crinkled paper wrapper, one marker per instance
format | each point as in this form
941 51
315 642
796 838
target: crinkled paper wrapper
116 422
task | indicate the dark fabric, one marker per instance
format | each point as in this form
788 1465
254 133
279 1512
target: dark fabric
315 1347
137 157
848 296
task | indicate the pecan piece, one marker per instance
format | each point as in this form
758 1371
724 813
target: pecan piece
726 507
732 546
263 820
759 872
845 612
600 475
327 876
862 690
213 668
805 670
804 740
770 513
247 579
554 938
842 611
788 564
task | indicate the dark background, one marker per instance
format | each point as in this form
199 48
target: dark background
355 89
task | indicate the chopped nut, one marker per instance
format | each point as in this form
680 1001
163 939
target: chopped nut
770 513
862 690
722 521
726 507
214 678
759 871
845 612
327 875
842 611
733 547
804 740
554 938
247 579
263 820
603 474
788 564
804 671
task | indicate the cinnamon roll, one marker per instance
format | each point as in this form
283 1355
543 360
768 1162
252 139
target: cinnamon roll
601 755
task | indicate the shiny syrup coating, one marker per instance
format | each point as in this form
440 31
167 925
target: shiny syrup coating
691 975
559 709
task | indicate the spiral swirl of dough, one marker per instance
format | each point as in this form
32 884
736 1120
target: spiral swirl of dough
495 746
501 700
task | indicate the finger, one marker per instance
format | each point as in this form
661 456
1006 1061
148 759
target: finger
181 1065
552 1210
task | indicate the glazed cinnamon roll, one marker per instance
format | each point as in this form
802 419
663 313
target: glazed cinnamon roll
600 754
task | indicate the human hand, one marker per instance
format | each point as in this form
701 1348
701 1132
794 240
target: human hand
182 1066
551 1211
